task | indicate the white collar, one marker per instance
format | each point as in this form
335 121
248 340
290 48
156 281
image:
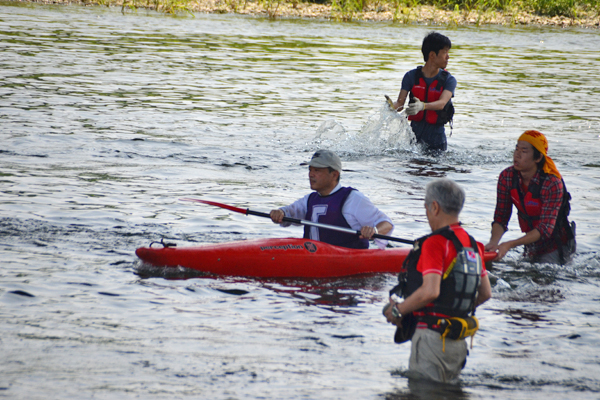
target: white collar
335 189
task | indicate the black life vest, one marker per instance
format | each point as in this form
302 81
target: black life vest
430 93
460 283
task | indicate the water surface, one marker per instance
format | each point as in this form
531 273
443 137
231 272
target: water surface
108 119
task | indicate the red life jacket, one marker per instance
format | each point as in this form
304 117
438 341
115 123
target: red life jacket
529 205
427 94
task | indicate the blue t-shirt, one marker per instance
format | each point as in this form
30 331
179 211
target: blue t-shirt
434 136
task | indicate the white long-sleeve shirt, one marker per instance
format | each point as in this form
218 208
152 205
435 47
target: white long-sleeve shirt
358 211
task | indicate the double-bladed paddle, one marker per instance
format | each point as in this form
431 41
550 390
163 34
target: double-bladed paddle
247 211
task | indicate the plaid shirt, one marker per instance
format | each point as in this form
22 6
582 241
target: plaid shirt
551 195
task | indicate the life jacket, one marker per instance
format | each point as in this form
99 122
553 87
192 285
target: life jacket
460 282
430 93
328 210
529 207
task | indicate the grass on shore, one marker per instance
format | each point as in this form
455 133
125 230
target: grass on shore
450 12
483 11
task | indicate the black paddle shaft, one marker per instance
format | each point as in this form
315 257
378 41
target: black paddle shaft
332 227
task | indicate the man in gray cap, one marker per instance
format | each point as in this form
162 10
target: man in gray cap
332 204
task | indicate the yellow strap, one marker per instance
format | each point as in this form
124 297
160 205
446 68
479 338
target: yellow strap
449 269
443 337
443 343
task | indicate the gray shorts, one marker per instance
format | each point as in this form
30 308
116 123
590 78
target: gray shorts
428 361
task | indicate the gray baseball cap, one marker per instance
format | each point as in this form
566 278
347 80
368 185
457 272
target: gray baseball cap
324 159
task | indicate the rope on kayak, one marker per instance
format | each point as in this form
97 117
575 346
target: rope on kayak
165 245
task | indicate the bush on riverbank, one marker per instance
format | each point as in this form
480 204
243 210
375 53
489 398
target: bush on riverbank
443 12
547 8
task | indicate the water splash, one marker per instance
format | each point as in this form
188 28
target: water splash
386 132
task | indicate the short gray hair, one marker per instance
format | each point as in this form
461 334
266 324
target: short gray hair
447 194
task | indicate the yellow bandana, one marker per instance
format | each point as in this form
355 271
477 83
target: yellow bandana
539 141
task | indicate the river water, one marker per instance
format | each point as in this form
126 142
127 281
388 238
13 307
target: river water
107 119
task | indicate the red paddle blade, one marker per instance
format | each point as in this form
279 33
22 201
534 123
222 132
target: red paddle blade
214 203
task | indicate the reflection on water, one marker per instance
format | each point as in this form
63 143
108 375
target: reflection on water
518 315
426 390
108 119
433 169
335 294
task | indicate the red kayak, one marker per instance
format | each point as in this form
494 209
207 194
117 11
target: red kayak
279 258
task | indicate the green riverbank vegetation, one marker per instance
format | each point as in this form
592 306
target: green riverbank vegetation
583 13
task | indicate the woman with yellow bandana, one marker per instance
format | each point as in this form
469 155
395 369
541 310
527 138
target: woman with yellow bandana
536 188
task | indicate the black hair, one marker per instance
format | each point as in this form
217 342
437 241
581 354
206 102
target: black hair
435 42
536 155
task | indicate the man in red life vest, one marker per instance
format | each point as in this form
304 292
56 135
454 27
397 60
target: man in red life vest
536 188
445 280
431 87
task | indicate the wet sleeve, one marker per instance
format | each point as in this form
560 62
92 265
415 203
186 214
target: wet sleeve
359 211
451 84
503 210
551 196
296 210
408 80
432 256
